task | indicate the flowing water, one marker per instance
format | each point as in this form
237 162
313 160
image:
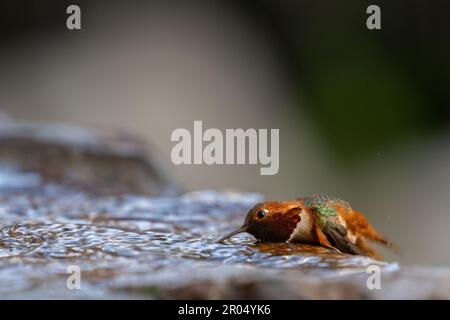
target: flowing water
124 242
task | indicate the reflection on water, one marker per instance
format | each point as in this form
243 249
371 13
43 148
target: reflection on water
117 239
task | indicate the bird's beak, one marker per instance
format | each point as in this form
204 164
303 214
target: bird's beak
240 230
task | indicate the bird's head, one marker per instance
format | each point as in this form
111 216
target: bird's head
270 221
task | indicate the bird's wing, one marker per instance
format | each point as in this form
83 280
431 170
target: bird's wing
337 236
328 221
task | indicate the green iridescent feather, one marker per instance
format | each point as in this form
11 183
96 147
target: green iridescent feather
328 219
325 208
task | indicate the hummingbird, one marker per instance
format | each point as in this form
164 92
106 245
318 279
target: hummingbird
319 219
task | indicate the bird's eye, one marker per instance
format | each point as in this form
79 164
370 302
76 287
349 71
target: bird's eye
261 214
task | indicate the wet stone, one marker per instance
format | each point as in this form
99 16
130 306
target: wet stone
163 247
97 201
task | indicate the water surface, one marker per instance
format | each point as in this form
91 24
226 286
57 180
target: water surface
124 242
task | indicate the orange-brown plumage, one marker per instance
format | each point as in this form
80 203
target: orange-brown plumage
319 219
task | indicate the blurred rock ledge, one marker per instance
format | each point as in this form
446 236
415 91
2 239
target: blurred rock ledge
100 160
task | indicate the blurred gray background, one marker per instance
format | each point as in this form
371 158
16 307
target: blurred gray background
363 115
